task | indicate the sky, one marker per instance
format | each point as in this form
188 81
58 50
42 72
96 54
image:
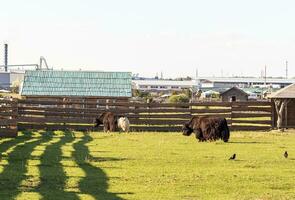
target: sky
149 37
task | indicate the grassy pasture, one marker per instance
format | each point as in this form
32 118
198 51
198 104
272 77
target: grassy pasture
76 165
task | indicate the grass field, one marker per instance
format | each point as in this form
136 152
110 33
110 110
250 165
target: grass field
76 165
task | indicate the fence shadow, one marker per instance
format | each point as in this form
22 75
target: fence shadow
95 183
53 177
14 172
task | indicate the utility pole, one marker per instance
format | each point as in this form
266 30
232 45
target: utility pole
5 56
287 69
265 75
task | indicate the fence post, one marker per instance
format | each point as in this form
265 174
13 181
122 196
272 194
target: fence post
273 111
231 115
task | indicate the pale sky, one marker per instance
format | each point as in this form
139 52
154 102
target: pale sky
229 37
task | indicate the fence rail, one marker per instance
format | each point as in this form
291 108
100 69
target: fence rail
58 115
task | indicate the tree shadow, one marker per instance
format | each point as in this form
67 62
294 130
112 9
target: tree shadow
95 183
15 171
4 146
53 177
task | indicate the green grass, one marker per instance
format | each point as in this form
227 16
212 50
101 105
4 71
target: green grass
76 165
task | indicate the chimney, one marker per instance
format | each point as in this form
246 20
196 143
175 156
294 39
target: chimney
5 56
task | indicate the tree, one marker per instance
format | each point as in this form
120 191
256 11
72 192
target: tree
15 86
181 98
188 93
280 105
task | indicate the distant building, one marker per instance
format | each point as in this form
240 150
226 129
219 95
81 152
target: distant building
243 82
165 86
234 94
8 78
89 86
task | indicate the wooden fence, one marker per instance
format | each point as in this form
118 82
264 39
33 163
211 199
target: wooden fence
8 121
53 115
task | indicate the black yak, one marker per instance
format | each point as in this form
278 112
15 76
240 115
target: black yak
207 128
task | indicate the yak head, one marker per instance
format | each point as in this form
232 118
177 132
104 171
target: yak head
99 120
187 129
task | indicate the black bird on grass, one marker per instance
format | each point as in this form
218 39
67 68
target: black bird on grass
286 154
233 157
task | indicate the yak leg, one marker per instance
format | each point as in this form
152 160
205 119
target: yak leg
106 127
112 127
199 135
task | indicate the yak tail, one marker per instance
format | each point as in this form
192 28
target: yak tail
225 131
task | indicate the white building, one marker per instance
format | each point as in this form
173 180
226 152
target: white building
8 78
243 82
165 86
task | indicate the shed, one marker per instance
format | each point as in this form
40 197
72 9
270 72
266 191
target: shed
88 86
234 94
284 104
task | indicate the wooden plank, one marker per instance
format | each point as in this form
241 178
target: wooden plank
160 116
250 128
213 115
55 127
257 109
210 110
93 115
217 103
11 114
8 122
56 109
251 103
8 102
268 122
86 114
157 122
90 120
248 115
55 120
47 114
130 104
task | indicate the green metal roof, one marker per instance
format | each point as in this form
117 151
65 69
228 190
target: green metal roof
76 83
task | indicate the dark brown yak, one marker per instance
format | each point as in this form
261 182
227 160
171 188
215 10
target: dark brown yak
207 128
109 121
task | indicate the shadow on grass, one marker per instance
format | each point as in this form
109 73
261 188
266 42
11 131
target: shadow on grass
249 142
53 177
15 171
95 183
4 146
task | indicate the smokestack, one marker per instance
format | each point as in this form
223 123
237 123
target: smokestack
286 69
5 56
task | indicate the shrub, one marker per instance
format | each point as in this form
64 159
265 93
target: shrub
181 98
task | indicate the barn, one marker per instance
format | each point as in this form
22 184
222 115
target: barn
284 107
71 86
234 94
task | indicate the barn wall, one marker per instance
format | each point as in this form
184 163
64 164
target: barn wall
290 114
239 96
